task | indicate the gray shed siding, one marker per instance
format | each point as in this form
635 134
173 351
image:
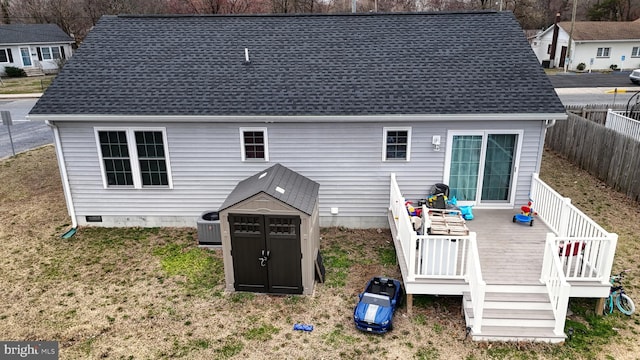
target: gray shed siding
345 158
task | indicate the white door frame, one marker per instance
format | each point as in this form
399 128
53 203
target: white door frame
516 165
22 56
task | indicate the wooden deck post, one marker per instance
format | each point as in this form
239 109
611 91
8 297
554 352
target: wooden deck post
409 304
600 306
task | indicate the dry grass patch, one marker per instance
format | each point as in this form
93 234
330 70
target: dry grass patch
26 85
152 294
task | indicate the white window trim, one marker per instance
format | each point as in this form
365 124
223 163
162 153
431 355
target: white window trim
485 134
385 130
603 56
42 52
133 157
266 143
51 57
637 54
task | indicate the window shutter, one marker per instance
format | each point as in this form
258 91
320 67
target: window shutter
39 53
62 52
10 55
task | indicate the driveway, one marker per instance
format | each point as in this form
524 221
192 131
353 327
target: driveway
590 80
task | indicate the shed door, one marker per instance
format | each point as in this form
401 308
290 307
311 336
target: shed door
266 253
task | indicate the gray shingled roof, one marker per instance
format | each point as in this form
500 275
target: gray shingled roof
280 183
357 64
32 34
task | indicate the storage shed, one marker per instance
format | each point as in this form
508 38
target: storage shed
270 233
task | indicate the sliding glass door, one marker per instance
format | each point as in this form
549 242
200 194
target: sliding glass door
482 166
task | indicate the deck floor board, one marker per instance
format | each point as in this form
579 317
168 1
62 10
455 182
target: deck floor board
510 253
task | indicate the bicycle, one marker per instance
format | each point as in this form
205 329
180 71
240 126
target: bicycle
617 296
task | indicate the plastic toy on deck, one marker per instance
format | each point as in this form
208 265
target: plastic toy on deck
526 216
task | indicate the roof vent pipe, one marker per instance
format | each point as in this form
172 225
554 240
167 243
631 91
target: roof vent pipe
246 55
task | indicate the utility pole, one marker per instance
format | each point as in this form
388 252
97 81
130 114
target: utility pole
573 22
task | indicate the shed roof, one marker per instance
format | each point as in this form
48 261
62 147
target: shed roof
32 34
280 183
602 30
341 64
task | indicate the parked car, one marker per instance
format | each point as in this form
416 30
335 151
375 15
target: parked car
376 305
635 76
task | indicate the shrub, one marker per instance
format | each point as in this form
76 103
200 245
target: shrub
613 67
12 71
581 66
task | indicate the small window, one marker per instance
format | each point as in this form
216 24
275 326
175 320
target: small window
397 144
134 158
254 144
603 52
549 49
635 51
46 53
55 52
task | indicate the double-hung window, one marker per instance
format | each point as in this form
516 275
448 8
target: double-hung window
254 144
603 52
46 53
134 158
396 144
635 51
50 52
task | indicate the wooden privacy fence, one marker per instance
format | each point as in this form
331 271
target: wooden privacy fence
595 112
606 154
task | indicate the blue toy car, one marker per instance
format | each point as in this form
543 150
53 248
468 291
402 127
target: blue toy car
378 302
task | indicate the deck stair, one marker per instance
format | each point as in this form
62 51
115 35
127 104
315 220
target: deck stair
514 313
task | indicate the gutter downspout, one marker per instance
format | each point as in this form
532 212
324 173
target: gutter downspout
549 123
65 179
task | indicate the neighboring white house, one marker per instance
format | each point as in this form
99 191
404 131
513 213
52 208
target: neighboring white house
37 48
597 44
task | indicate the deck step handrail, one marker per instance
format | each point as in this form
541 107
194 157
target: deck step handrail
621 123
556 283
571 227
477 285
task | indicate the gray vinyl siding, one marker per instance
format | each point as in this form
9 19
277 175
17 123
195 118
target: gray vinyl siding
345 158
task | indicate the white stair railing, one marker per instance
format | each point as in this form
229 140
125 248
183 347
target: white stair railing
477 286
557 287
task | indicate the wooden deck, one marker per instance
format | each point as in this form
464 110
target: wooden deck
510 253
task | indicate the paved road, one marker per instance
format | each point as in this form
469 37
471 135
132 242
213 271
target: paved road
26 134
582 80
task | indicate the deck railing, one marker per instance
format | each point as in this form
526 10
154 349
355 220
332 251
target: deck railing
556 283
585 248
428 256
618 121
406 234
